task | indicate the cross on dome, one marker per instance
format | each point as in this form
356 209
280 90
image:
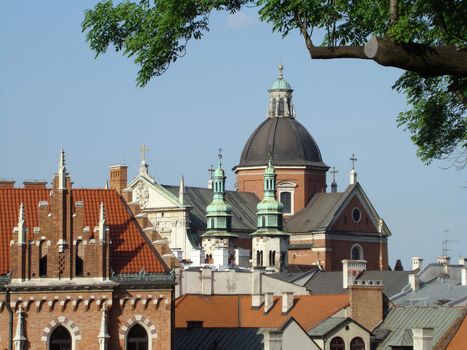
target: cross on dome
334 171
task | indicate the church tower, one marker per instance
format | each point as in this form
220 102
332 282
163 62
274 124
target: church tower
217 242
297 158
269 242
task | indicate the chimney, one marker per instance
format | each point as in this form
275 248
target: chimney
118 177
206 281
7 183
463 262
197 256
351 269
417 263
221 257
256 298
366 303
414 281
445 260
287 301
464 276
35 184
268 301
422 338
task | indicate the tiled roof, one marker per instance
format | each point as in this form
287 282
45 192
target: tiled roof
131 251
401 320
218 338
460 338
308 310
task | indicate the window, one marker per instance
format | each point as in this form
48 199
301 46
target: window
356 252
79 268
272 257
280 111
356 214
286 200
259 258
137 338
43 259
337 343
60 339
357 344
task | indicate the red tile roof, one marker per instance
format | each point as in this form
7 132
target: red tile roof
459 342
226 311
131 251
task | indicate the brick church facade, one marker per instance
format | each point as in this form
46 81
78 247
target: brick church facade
77 271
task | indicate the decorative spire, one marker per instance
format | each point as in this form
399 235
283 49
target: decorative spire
143 167
181 190
103 336
21 226
353 173
19 338
102 226
280 98
61 171
334 171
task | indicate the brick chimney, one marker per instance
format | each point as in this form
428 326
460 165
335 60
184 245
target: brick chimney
7 183
118 175
366 303
35 184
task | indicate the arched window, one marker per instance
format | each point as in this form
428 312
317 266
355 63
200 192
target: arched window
258 258
79 262
60 339
286 200
337 343
357 344
280 111
137 338
43 259
273 258
356 253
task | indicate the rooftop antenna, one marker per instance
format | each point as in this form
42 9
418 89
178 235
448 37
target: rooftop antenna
446 242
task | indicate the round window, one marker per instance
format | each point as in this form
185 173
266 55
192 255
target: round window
356 215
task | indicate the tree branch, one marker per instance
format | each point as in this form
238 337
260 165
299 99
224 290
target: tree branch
427 61
393 11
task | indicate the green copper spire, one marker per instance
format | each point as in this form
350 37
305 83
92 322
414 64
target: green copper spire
219 213
269 210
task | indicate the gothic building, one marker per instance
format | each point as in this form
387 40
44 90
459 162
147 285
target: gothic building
78 272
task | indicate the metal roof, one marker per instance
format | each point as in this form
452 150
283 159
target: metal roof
327 326
218 338
332 282
243 207
401 320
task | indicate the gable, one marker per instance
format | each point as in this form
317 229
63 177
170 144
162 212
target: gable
354 216
151 195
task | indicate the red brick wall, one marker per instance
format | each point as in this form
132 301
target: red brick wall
345 221
366 305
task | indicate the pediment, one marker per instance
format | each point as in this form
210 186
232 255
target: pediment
151 195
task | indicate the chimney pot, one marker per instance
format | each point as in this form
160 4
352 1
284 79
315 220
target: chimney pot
444 260
463 262
350 271
417 263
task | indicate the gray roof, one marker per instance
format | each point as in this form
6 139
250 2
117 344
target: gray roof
218 338
401 320
291 277
286 140
328 325
318 213
243 207
331 282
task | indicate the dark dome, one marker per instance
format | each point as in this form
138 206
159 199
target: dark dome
286 140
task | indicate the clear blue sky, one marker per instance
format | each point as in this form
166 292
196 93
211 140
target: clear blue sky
54 94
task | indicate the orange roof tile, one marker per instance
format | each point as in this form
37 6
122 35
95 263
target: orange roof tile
131 250
459 342
225 311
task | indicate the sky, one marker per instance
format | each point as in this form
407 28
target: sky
55 94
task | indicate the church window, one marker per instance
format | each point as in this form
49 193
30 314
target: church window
79 259
286 200
356 214
356 252
337 343
137 338
60 339
357 344
281 107
43 258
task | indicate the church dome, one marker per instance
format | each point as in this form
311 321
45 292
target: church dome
285 140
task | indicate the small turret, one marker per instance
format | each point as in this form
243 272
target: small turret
280 98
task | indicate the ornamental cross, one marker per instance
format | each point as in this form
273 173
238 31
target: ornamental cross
353 159
143 149
211 170
334 171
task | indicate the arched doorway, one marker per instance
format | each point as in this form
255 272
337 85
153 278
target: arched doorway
137 338
60 339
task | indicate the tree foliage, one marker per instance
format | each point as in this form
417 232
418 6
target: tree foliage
426 38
